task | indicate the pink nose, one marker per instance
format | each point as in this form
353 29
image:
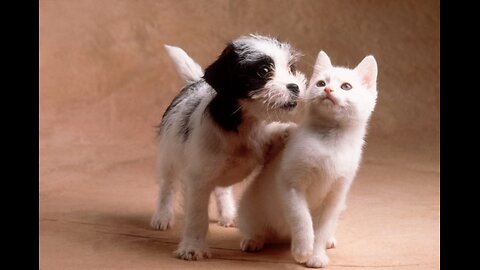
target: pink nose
328 90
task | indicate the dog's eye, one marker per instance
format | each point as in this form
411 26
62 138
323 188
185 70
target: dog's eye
346 86
321 83
293 68
263 71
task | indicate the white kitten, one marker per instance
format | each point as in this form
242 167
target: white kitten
299 195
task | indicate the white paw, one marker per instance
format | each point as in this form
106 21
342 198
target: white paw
227 222
193 252
302 250
318 261
279 134
251 245
162 220
289 129
331 243
283 133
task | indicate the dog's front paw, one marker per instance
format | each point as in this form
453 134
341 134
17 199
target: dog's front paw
289 130
162 220
279 135
302 250
227 222
192 252
283 132
251 245
319 260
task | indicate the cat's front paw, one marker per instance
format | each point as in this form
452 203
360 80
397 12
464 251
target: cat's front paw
302 250
318 260
251 245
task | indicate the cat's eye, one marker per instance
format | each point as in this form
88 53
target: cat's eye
264 71
346 86
293 68
321 83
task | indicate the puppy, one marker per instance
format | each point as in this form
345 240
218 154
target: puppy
215 132
300 194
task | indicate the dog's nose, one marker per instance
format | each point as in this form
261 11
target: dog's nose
293 88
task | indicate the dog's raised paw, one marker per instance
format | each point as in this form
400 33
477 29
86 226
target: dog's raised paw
250 245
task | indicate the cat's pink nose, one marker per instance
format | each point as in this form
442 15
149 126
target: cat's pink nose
328 90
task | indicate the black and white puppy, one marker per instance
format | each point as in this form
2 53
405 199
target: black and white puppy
216 131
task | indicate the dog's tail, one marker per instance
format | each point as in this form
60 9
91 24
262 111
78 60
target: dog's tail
189 70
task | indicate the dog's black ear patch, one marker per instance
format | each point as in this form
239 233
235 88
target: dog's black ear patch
220 73
226 113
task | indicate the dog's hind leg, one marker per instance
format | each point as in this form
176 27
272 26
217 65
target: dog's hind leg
226 207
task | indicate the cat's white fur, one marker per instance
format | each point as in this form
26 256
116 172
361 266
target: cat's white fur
300 194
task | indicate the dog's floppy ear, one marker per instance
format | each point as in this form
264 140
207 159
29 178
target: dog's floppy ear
220 73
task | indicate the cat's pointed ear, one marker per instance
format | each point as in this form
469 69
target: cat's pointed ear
323 63
368 71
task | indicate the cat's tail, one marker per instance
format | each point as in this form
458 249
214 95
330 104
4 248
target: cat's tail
189 70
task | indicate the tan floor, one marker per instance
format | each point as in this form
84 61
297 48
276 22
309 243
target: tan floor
96 215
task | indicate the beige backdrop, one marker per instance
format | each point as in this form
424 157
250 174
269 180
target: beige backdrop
105 81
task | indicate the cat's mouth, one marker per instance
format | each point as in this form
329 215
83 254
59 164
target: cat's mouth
329 99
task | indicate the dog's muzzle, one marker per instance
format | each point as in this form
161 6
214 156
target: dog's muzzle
294 91
290 105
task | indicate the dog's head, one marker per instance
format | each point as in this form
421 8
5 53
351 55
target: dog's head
259 74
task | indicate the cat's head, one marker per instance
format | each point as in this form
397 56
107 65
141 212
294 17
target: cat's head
343 94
